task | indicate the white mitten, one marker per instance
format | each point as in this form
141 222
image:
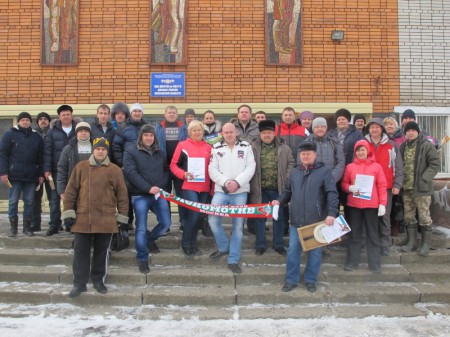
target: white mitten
353 189
381 210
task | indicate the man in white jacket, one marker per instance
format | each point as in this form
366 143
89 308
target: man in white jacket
231 168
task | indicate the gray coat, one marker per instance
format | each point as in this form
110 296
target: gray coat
251 132
331 153
285 163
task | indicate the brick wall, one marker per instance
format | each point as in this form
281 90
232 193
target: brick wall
424 52
225 55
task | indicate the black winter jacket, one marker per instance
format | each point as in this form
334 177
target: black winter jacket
97 132
351 137
125 136
21 154
312 195
55 140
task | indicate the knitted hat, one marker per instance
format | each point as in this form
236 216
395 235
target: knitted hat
343 113
137 106
64 107
100 142
307 146
44 114
359 116
408 113
411 125
188 112
82 126
24 115
319 121
119 107
306 114
267 124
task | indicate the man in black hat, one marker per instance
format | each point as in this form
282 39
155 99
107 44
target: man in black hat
311 191
189 116
359 121
274 162
21 169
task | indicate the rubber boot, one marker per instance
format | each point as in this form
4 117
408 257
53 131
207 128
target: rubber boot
425 243
411 245
27 227
14 222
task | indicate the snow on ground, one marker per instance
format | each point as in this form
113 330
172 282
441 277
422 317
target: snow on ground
96 326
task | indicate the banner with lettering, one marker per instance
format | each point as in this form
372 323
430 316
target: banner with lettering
241 211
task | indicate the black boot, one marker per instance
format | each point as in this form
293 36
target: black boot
36 227
425 243
14 222
52 230
206 230
27 227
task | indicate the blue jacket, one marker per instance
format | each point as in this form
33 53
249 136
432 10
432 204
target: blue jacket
125 136
55 141
144 169
312 195
161 134
351 137
21 154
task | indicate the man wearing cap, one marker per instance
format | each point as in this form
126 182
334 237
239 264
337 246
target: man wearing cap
78 149
102 127
145 167
274 162
231 168
329 150
61 132
21 150
421 164
189 116
311 191
388 156
359 121
120 113
247 129
42 126
305 119
96 189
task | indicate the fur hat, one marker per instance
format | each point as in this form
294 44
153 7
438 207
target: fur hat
120 107
100 142
411 125
64 107
307 146
43 114
82 126
306 114
343 113
24 115
408 113
267 124
319 121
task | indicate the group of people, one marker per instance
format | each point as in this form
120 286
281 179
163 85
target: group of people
109 174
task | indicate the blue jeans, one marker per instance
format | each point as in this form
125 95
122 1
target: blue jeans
141 205
54 203
215 222
278 225
294 255
27 188
190 231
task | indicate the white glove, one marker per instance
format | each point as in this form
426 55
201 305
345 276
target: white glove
353 189
381 210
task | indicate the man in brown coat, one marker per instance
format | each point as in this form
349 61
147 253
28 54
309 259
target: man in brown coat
95 203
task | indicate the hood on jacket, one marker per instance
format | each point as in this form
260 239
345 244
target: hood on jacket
147 128
120 106
378 121
363 142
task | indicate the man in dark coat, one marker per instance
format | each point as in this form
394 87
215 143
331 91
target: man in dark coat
61 131
102 127
21 169
311 191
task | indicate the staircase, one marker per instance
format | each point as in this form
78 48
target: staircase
36 276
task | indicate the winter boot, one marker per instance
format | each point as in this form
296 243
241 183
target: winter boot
206 230
411 245
27 227
14 222
425 243
36 227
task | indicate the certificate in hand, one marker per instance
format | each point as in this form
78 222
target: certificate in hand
365 186
339 228
196 166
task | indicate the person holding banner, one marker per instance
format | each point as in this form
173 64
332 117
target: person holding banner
190 163
311 191
231 167
365 183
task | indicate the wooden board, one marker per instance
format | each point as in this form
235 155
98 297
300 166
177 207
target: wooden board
307 239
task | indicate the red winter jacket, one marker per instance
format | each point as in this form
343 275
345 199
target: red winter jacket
179 163
366 167
292 134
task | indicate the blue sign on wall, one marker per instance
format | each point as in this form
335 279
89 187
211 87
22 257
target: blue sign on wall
167 85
